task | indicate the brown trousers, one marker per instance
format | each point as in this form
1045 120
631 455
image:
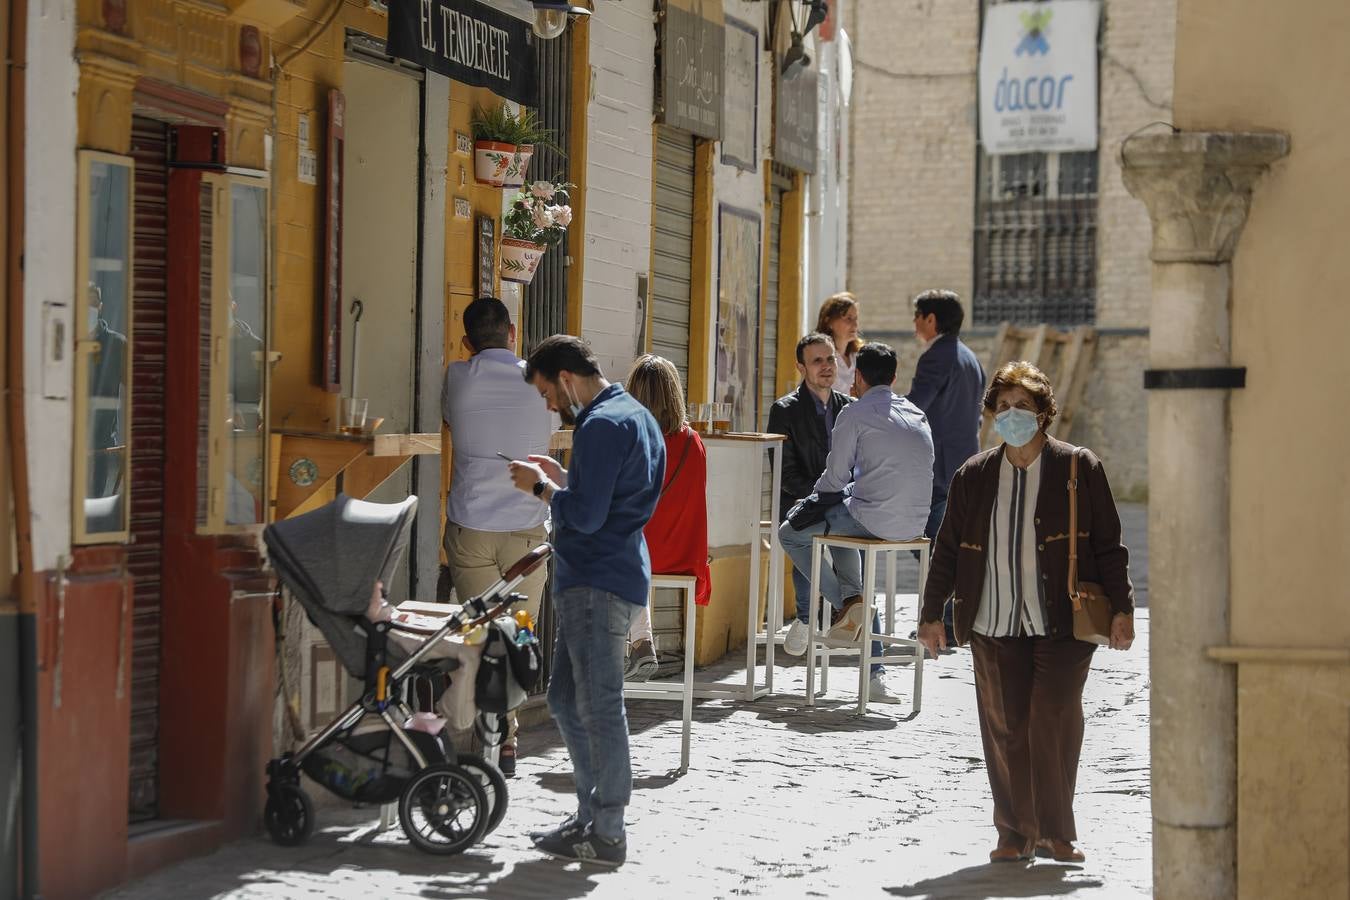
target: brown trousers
1030 696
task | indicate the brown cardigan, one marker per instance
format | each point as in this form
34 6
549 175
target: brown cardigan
958 563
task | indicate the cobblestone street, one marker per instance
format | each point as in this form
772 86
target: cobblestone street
779 802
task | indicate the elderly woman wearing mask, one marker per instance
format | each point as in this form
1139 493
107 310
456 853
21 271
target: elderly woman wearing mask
1002 554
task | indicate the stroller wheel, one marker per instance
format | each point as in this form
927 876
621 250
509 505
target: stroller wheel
288 815
493 784
443 809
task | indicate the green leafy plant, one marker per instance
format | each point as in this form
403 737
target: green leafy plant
540 213
497 123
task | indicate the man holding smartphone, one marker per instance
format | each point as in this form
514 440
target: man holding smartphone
490 409
601 575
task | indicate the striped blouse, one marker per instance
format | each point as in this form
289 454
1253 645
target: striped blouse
1013 603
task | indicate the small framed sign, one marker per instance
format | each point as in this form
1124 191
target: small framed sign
487 256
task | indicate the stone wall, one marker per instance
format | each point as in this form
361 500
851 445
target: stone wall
913 167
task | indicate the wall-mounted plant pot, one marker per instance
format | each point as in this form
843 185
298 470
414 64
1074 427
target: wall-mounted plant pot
515 172
520 259
501 165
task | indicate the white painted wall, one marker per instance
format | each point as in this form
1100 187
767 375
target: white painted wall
618 180
49 275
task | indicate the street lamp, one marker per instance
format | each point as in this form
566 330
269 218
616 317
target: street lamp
796 55
550 17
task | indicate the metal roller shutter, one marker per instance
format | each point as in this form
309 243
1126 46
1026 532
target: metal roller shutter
672 247
768 359
149 148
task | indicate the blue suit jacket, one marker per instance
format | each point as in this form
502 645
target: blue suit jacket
949 387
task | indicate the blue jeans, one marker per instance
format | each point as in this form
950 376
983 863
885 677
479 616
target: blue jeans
585 696
837 582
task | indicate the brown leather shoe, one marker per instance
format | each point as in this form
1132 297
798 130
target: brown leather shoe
1009 853
1059 851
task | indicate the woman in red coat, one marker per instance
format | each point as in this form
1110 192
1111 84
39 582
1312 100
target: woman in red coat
677 533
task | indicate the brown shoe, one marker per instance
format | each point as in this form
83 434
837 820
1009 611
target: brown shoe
849 626
1009 853
1059 851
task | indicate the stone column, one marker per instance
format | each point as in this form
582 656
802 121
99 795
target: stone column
1197 187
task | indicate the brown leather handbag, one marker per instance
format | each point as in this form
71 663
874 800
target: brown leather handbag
1091 607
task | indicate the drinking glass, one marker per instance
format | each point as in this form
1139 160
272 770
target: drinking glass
700 417
353 415
721 418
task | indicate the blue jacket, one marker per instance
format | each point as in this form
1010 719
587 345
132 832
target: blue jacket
618 466
949 387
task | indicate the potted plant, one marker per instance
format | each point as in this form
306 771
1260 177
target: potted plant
538 218
503 143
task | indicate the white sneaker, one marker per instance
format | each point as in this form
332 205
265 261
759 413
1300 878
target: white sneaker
794 642
877 693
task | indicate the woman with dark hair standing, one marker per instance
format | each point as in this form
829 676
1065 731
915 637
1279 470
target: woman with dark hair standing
839 319
677 533
1003 556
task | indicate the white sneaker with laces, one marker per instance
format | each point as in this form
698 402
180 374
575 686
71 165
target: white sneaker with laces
794 642
877 692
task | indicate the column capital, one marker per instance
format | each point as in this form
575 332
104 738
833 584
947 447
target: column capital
1197 186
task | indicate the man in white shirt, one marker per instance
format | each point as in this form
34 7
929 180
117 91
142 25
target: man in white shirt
490 409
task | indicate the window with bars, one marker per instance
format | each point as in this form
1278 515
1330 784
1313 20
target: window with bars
1035 237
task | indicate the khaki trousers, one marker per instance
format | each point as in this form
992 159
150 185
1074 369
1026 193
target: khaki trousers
1029 691
478 558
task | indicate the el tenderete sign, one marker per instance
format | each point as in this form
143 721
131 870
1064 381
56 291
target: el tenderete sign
468 42
1038 77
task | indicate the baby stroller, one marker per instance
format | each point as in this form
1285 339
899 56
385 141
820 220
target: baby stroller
377 751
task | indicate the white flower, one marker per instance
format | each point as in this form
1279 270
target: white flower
543 218
543 190
561 214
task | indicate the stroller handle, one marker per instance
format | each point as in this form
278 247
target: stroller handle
528 563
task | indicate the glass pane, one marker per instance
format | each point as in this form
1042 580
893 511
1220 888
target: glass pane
108 311
244 481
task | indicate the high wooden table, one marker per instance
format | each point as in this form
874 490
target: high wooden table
304 463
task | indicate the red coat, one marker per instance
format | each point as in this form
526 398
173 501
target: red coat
677 533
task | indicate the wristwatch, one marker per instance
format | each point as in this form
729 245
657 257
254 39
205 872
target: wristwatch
539 487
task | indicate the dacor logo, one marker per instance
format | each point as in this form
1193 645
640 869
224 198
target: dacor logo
1033 33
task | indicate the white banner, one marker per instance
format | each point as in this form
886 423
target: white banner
1038 76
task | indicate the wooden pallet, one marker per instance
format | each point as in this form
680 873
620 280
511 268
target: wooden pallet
1065 356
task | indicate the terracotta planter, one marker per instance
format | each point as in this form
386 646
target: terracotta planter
501 165
520 259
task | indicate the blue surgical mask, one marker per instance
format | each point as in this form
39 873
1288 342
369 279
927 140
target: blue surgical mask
1017 426
574 408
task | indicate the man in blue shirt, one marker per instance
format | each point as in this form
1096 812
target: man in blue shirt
881 460
601 576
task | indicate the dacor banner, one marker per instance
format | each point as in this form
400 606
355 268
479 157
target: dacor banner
1038 76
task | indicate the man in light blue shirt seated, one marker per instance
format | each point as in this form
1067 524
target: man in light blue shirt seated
881 461
490 409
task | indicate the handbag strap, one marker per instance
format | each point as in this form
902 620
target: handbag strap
673 475
1073 531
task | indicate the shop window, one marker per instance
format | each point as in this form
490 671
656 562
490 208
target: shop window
233 311
102 348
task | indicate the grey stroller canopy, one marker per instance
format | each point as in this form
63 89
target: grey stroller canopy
331 558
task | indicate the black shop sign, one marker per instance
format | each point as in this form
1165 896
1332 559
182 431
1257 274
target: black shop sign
794 120
468 42
693 62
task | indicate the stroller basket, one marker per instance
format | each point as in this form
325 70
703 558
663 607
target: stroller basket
370 765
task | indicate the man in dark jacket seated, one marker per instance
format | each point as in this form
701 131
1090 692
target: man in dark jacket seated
806 417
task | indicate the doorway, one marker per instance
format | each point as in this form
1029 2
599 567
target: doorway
380 259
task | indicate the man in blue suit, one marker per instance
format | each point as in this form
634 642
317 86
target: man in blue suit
949 387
